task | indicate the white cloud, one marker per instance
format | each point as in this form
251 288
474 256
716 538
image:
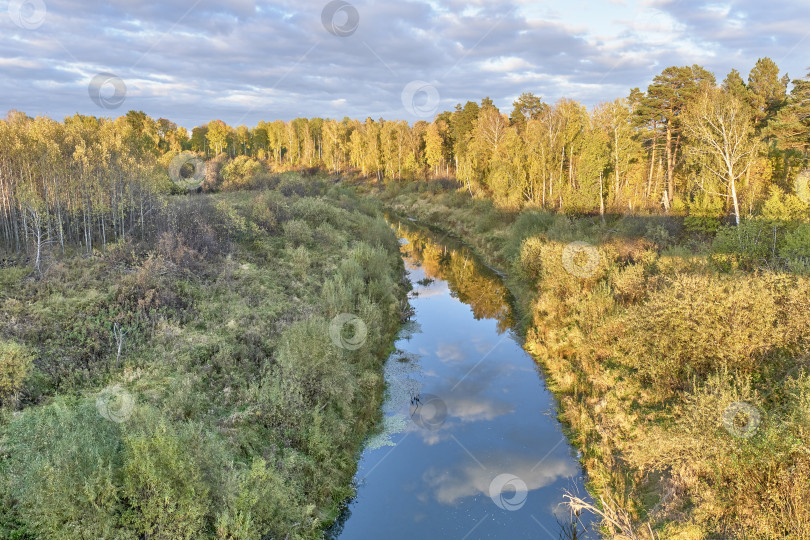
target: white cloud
505 64
248 60
449 485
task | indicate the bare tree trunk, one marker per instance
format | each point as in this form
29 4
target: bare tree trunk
616 158
601 199
733 187
670 165
652 159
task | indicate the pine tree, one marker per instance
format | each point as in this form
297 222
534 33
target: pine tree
791 126
666 99
767 91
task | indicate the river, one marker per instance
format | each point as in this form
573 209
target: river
471 447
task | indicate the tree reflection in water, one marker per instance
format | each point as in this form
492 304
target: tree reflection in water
469 280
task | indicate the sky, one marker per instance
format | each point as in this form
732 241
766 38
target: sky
242 61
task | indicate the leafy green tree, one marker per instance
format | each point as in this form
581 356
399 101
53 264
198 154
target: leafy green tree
259 134
488 143
243 140
647 121
735 85
435 136
164 129
487 103
593 164
199 139
616 119
461 125
217 136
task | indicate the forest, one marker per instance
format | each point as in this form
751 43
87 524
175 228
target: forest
193 275
686 145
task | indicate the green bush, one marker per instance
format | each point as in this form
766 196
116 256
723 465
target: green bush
756 472
377 233
796 244
713 323
704 218
531 257
269 210
319 211
784 207
164 478
240 173
11 277
63 468
15 364
266 500
292 184
658 235
298 232
629 284
746 246
527 224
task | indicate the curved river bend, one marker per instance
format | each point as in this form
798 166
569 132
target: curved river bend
471 447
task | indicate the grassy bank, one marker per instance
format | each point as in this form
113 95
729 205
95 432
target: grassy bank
198 384
678 350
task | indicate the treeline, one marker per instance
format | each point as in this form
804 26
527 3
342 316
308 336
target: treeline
80 183
687 144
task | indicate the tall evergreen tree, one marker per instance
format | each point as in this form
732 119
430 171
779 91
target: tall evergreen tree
791 126
526 107
666 99
767 91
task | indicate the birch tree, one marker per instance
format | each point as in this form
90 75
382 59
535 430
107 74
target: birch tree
723 128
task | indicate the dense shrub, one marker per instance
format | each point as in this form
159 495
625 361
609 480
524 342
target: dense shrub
213 173
241 173
164 477
298 232
783 207
796 244
757 482
15 363
659 235
292 184
269 210
319 211
629 283
700 324
746 246
531 262
62 464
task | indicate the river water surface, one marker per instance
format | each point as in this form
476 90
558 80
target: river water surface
471 446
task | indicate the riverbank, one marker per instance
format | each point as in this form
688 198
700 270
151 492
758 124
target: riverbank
215 382
680 373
